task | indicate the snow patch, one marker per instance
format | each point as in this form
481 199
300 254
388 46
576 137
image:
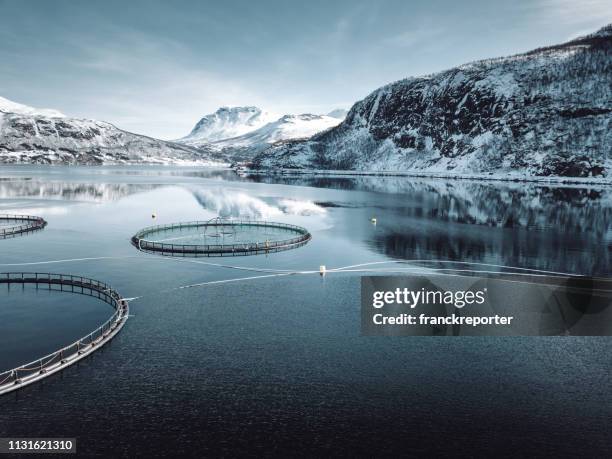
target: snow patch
8 106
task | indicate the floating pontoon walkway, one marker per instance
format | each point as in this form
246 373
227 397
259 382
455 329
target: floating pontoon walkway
22 224
52 363
142 239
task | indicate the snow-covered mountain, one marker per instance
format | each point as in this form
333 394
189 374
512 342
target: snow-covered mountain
288 127
8 106
226 123
339 113
239 133
29 135
542 113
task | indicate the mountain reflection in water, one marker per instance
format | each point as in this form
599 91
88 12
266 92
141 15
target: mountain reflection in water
69 191
554 227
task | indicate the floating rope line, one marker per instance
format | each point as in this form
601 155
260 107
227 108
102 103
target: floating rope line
343 269
414 270
227 281
421 270
528 272
165 259
216 282
248 268
472 263
69 260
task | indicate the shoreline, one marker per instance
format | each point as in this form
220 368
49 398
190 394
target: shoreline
431 175
333 173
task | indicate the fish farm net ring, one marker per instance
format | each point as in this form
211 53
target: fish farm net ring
15 225
220 237
43 367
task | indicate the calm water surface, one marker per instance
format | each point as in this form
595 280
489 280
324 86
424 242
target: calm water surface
276 364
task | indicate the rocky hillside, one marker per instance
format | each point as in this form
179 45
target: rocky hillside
543 113
33 136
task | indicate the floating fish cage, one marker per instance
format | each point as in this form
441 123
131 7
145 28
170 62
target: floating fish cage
62 358
17 225
220 237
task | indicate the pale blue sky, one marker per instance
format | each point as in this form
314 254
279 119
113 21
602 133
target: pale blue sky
156 67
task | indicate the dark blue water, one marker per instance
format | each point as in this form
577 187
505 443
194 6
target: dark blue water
276 365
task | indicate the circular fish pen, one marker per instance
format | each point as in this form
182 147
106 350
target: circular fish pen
17 225
43 367
220 237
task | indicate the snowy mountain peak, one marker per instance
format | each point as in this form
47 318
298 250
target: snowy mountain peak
8 106
227 122
339 113
288 127
301 117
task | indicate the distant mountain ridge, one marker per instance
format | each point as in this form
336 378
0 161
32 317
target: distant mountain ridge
227 122
288 127
238 133
44 136
546 112
284 128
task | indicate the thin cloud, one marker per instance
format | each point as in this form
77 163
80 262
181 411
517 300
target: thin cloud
587 14
413 37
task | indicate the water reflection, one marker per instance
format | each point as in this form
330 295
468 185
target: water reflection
238 204
68 191
537 227
566 228
498 204
560 228
546 252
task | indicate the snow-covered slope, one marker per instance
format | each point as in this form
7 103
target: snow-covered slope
339 113
239 133
28 135
546 112
285 128
225 123
8 106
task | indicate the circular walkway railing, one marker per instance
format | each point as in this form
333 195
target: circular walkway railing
140 241
62 358
20 224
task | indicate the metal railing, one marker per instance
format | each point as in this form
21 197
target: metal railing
38 369
33 224
244 248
